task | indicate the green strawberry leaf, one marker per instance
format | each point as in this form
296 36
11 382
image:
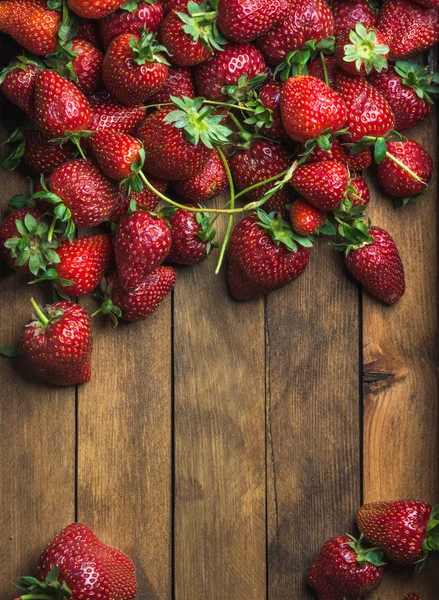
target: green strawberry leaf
10 352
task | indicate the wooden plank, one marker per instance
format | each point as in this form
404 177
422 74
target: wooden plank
37 424
312 419
400 409
124 440
219 440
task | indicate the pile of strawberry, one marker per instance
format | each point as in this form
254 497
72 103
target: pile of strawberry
168 102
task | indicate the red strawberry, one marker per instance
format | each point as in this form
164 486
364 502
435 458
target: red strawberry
209 182
262 160
144 199
360 189
178 83
324 184
356 162
42 155
264 256
57 343
412 596
141 302
245 20
82 264
405 86
89 568
347 13
116 153
105 114
373 258
169 5
59 106
131 20
315 68
270 97
31 24
428 3
134 68
84 191
361 50
79 61
368 113
309 108
408 27
394 179
17 83
87 31
307 20
305 218
94 10
401 529
141 243
344 570
192 237
236 63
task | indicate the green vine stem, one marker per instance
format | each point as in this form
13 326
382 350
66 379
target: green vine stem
39 313
405 168
232 204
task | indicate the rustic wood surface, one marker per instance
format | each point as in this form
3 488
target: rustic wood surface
220 444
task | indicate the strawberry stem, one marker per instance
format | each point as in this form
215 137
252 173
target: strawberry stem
261 183
39 313
232 204
51 229
78 145
325 70
36 597
405 168
236 122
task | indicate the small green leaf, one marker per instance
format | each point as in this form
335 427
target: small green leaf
10 352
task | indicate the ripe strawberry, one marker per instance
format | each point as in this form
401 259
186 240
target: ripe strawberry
309 108
306 20
244 20
42 155
412 596
235 65
373 258
394 179
324 184
106 114
264 255
169 5
31 24
344 570
118 154
315 69
406 88
93 10
338 152
178 83
81 188
361 50
262 160
144 199
87 31
347 13
305 218
130 19
79 61
428 3
192 238
368 113
141 302
59 106
141 243
408 27
209 182
360 189
57 343
401 529
82 264
85 567
17 83
270 95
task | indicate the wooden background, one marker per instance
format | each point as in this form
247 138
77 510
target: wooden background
220 444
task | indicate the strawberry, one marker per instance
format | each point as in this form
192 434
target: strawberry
412 596
361 50
305 218
192 237
270 95
169 5
57 344
134 68
309 108
338 152
93 10
119 155
177 144
42 155
130 18
82 264
428 3
368 113
87 31
323 184
405 530
76 564
141 243
141 302
178 83
144 199
17 83
31 24
315 69
345 570
360 189
244 20
264 255
79 61
347 13
306 20
105 114
209 182
406 87
23 241
235 65
408 27
59 106
398 182
262 160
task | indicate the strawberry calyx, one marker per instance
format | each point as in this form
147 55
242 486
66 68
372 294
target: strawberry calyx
61 61
50 588
52 276
131 5
261 117
323 141
147 49
281 231
74 137
60 211
365 50
296 62
373 556
431 541
207 233
244 89
417 77
134 182
355 235
200 23
12 161
20 62
107 307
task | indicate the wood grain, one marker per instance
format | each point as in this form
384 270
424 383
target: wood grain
313 436
219 440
